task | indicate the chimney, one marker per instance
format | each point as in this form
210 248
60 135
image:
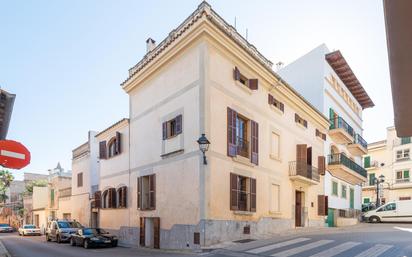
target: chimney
150 44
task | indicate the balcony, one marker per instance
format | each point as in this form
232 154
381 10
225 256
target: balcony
359 146
303 172
340 166
340 131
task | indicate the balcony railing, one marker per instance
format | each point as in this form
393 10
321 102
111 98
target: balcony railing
339 122
359 140
298 168
242 147
402 180
336 159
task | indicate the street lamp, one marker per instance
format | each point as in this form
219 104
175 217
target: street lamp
203 146
378 181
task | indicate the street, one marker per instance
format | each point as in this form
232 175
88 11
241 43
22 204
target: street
364 240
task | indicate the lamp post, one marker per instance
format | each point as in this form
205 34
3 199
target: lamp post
378 181
203 146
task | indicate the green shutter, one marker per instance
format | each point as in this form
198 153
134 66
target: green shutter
367 162
406 174
405 140
366 200
331 118
334 188
372 179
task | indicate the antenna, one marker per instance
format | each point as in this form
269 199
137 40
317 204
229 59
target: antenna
235 22
246 34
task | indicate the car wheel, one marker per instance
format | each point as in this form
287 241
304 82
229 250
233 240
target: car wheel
114 244
374 219
86 244
72 242
48 238
58 239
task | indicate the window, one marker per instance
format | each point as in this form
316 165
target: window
109 198
402 154
275 146
372 179
112 148
122 197
405 140
52 197
404 198
334 188
242 193
320 135
241 136
343 193
146 192
300 120
242 79
402 176
367 162
276 103
388 207
274 198
366 200
80 179
172 128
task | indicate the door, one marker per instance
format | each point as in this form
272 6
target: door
351 198
142 231
331 218
298 209
156 233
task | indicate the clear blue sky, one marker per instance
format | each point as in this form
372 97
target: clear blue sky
65 60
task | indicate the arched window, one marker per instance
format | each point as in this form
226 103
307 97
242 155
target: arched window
109 198
122 197
112 147
105 199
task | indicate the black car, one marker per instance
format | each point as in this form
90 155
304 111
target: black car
93 237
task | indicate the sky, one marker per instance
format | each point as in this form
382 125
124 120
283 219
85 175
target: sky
65 60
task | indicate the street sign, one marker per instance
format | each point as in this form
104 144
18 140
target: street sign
13 154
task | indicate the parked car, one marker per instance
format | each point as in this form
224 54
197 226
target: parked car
61 230
368 207
29 230
93 237
398 211
4 228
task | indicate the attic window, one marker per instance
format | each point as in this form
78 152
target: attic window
320 135
250 83
300 120
276 103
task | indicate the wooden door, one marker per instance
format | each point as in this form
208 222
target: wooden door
156 233
298 209
142 231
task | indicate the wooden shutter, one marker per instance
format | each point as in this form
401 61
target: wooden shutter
156 232
322 202
252 195
98 199
321 165
253 84
326 205
271 100
164 130
305 123
123 200
233 192
139 192
109 199
179 124
102 150
118 142
236 74
231 132
282 107
113 198
142 231
152 192
301 159
255 142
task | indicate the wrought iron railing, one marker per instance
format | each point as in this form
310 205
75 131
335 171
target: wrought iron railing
403 180
339 122
242 147
359 140
298 168
340 158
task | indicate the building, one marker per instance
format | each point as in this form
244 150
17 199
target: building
6 109
328 82
265 163
390 158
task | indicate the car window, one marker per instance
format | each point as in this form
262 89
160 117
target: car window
64 224
388 207
29 226
75 224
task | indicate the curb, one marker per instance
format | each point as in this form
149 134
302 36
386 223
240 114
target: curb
3 250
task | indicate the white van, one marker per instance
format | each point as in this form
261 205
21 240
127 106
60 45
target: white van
398 211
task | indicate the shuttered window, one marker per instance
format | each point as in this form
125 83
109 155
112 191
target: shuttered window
122 197
334 188
172 128
102 150
80 179
276 103
252 84
255 142
321 165
301 120
146 192
109 198
320 135
242 193
97 199
322 205
367 162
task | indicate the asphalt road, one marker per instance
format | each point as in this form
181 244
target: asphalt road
365 240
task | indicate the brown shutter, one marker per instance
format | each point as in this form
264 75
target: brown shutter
98 199
113 198
142 232
179 124
326 205
255 142
164 130
305 123
123 200
118 142
321 205
231 132
321 165
236 74
252 195
324 136
271 100
296 117
301 159
152 192
253 84
233 192
139 192
109 200
156 232
282 107
102 150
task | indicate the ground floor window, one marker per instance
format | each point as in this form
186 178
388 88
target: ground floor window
242 193
366 200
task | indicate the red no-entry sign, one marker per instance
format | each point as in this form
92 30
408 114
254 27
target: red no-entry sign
13 154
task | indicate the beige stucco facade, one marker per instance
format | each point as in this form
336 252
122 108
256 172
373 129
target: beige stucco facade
390 158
